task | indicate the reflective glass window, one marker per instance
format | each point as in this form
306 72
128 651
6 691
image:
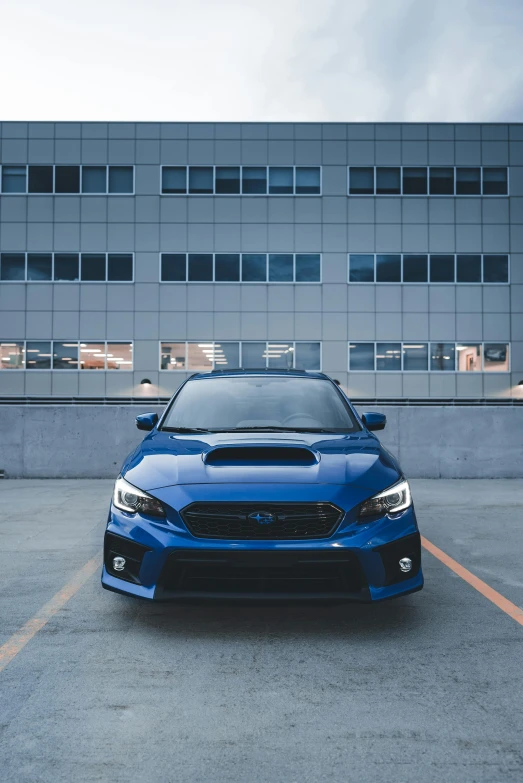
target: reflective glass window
441 182
308 268
14 179
307 180
94 179
495 269
280 355
468 358
468 268
67 179
121 179
495 182
388 268
361 268
226 356
39 266
388 180
65 356
441 268
12 356
120 267
12 266
174 267
200 356
227 179
415 268
361 356
442 357
495 357
119 356
388 356
280 268
172 356
254 356
415 357
93 267
174 179
38 355
468 181
414 181
201 179
40 179
200 267
361 180
92 356
227 267
254 267
307 356
66 266
254 179
281 180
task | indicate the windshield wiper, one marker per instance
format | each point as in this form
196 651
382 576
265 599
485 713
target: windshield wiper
185 429
273 429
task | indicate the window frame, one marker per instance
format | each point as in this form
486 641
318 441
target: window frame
241 193
428 281
240 281
240 343
77 344
81 166
428 343
428 194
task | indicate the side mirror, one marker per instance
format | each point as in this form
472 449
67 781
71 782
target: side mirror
147 421
374 421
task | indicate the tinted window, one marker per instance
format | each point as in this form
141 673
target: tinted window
120 179
280 356
224 404
254 268
174 267
442 356
388 268
93 267
226 356
65 356
38 355
120 267
200 179
495 269
254 356
361 180
12 266
494 182
13 179
388 356
468 269
307 180
39 266
67 179
415 268
254 179
308 268
94 179
415 357
200 267
468 181
361 268
40 179
280 268
174 179
388 180
307 356
66 266
441 181
361 356
227 267
414 181
441 269
227 179
281 180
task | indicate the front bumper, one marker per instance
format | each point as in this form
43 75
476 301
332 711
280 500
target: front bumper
357 563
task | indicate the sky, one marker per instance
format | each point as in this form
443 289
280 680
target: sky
262 60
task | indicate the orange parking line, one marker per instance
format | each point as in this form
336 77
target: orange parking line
478 584
19 639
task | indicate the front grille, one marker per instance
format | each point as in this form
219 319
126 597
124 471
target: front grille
262 521
289 573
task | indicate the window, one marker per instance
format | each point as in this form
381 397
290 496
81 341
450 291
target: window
415 181
65 356
469 358
495 357
495 182
468 268
468 181
120 267
206 355
442 357
39 266
67 179
121 179
361 180
415 268
280 268
94 179
361 268
93 267
307 180
441 181
227 179
415 357
388 356
254 267
200 267
12 266
388 268
200 179
281 180
40 179
14 179
174 179
495 269
442 268
66 266
308 268
227 267
388 181
92 356
361 357
173 267
12 356
254 179
38 355
119 356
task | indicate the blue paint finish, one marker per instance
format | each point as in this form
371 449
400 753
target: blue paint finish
347 469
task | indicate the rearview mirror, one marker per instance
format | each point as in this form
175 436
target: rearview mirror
374 421
147 421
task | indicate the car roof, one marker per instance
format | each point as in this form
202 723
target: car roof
262 371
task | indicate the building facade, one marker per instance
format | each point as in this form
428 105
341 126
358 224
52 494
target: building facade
387 255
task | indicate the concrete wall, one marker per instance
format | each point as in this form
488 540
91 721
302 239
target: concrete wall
92 441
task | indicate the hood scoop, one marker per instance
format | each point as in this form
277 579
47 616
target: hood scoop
260 456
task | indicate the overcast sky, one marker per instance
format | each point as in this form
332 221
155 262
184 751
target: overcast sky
280 60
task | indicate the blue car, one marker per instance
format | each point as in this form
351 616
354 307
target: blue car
261 484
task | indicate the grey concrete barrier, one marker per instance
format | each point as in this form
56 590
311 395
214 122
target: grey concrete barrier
91 441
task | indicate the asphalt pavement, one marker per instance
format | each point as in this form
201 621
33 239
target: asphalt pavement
424 688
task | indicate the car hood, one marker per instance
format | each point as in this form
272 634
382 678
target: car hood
166 459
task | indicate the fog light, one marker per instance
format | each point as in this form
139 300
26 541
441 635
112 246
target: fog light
119 563
405 564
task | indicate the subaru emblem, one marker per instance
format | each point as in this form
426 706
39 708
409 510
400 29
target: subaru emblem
263 517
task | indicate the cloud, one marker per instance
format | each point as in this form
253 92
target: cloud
253 60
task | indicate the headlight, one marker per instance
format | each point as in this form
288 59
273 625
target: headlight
131 499
390 501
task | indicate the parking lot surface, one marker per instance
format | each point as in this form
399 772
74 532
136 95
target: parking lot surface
424 688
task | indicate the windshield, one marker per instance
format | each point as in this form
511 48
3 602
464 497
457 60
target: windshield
260 403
